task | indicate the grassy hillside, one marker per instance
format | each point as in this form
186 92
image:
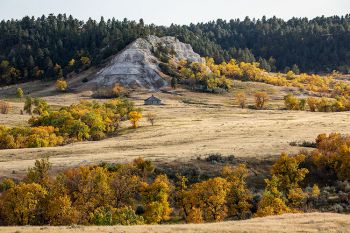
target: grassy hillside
190 124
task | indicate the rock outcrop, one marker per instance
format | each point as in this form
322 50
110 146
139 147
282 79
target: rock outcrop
137 67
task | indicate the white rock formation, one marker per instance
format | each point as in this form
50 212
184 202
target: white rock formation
137 67
182 50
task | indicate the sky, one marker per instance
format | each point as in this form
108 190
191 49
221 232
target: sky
165 12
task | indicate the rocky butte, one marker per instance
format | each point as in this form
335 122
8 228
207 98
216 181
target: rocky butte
137 67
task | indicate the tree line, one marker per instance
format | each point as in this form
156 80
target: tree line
50 47
77 122
209 76
317 44
140 193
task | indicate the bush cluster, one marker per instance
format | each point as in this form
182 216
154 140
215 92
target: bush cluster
314 104
209 76
331 158
78 122
120 194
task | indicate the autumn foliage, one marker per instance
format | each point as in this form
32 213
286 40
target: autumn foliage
211 77
134 118
4 107
315 104
282 193
139 193
78 122
19 92
294 103
126 194
261 99
61 85
84 195
332 156
22 204
155 198
240 99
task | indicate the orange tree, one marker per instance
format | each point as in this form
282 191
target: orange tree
260 99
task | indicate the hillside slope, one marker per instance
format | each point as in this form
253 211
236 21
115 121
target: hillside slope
312 222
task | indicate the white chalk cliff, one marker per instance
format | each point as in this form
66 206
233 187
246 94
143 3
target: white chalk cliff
137 67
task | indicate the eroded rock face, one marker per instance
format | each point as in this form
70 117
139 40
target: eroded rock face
137 67
182 51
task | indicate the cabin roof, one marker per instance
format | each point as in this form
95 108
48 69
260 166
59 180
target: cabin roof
152 98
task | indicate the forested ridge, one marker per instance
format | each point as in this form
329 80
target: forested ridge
52 46
320 44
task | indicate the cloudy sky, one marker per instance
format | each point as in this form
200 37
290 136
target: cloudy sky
165 12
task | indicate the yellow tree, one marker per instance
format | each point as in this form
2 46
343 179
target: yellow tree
291 75
22 204
342 165
91 189
333 153
71 62
7 141
39 173
272 202
19 92
231 69
144 167
312 102
283 187
125 183
134 118
41 106
155 198
260 99
28 105
85 60
186 201
6 184
292 102
239 198
315 193
287 170
61 85
59 209
240 98
181 198
210 198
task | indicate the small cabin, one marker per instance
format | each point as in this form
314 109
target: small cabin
153 101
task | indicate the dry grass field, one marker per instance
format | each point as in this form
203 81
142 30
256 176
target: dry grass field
187 126
313 222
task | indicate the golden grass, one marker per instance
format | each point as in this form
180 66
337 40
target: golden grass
289 223
184 130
